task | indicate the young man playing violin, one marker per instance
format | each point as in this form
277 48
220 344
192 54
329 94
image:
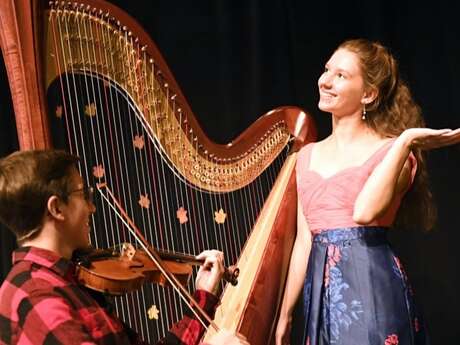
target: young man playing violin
45 202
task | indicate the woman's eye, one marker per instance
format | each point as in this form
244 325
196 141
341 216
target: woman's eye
340 75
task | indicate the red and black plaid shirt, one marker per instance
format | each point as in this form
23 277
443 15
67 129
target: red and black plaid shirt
41 303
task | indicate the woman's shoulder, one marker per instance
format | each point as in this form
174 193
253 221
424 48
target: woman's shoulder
303 156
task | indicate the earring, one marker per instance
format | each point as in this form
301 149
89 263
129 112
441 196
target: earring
364 113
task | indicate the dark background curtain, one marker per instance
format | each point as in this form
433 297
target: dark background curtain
236 60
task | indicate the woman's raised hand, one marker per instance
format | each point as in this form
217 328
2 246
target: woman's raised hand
427 138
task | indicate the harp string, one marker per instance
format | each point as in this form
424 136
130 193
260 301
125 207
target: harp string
167 232
89 58
112 106
148 158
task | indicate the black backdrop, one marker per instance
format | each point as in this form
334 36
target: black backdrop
236 59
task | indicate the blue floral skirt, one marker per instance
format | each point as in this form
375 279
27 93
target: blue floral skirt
355 293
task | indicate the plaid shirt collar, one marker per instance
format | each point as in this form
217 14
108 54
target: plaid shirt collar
45 258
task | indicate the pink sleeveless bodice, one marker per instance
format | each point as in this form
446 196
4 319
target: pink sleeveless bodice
328 203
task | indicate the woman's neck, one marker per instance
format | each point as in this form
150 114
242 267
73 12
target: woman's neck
347 130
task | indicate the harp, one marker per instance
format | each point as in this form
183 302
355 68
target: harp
85 77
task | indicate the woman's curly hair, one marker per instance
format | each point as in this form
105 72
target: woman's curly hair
392 111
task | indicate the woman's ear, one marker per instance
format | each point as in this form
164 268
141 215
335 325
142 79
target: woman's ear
54 206
369 96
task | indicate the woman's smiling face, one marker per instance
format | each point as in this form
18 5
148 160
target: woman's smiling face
341 86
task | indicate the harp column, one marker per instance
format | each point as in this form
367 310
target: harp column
19 46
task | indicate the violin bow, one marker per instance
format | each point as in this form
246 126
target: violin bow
153 255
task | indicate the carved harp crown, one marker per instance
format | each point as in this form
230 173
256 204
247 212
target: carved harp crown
85 77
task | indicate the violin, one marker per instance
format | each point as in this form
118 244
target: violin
117 272
131 260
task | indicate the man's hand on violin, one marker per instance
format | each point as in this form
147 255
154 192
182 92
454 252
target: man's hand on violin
211 271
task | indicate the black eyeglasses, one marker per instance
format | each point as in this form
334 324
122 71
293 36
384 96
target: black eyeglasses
88 193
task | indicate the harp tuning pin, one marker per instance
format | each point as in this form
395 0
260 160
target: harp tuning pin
144 48
151 61
166 85
179 110
173 97
195 138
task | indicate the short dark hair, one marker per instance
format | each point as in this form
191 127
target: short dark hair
27 180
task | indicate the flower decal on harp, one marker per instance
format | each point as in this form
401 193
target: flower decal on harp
220 216
58 111
138 142
153 312
181 214
144 201
98 171
90 109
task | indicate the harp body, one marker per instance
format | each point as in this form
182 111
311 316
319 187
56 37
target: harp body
81 72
